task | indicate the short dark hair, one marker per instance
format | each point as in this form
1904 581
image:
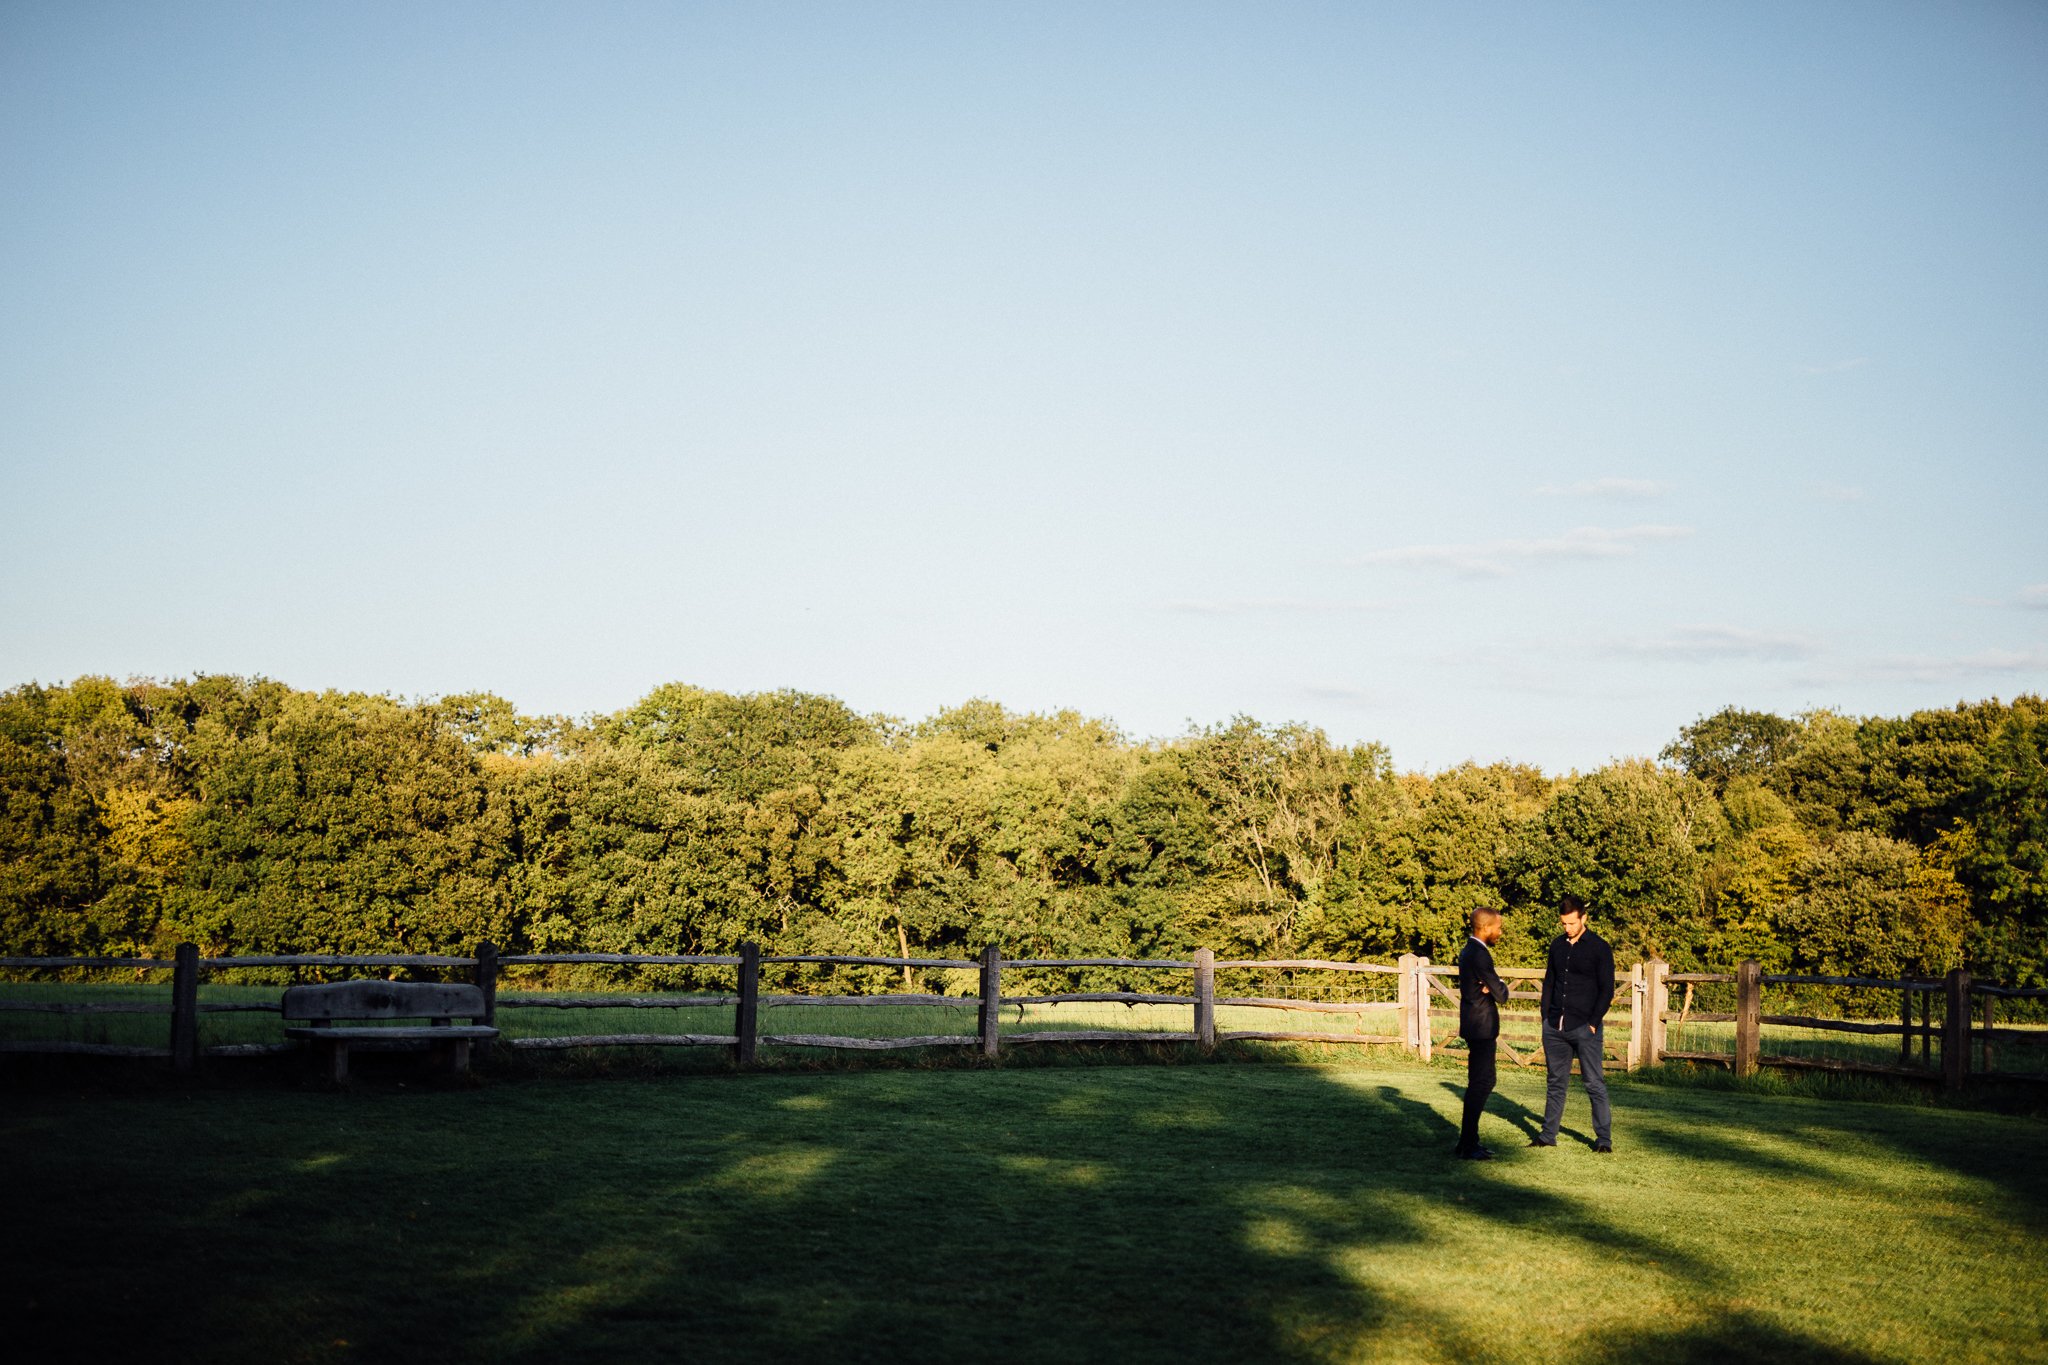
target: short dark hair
1571 905
1485 914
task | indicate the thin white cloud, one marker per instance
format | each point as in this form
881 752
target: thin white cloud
1933 668
1836 366
1496 558
1619 489
1358 698
1701 643
2034 597
1269 606
1835 492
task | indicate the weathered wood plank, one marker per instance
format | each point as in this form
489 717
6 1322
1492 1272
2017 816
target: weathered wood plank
1161 963
1832 1064
89 1049
906 998
1303 1035
513 1001
746 1012
842 960
1701 978
1205 998
870 1044
567 1041
1705 1017
1307 964
446 1033
2012 1035
1100 997
1921 984
1719 1058
88 1007
1098 1036
2010 992
369 999
1826 1025
1315 1006
323 960
154 964
618 959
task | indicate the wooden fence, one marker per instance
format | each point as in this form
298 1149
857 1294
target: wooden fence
1424 993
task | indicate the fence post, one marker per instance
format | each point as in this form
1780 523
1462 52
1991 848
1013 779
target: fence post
991 997
1205 998
1749 1008
1984 1048
1660 1004
487 982
747 1013
1404 995
1906 1027
1955 1031
185 1008
1637 987
1423 1040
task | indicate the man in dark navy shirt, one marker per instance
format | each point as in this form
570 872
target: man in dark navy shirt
1578 986
1480 993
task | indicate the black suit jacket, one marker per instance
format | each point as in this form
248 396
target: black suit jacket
1478 1012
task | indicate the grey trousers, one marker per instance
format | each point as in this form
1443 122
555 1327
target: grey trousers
1558 1050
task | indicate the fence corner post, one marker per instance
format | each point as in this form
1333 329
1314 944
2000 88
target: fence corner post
487 982
1749 1009
747 1013
1205 998
1955 1031
185 1009
1423 1042
1637 986
991 998
1404 992
1660 1005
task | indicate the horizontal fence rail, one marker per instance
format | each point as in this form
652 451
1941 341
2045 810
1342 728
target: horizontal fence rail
1961 1038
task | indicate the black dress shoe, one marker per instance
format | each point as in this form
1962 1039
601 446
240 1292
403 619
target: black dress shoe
1604 1148
1476 1154
1542 1142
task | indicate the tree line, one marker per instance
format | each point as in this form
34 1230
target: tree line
250 817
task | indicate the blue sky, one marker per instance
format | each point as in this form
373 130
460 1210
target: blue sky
1493 381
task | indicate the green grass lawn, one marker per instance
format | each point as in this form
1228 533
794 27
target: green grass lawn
1204 1212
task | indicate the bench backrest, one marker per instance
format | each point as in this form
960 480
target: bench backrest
384 1000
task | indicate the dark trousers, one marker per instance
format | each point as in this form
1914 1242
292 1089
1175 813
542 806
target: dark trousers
1478 1085
1583 1043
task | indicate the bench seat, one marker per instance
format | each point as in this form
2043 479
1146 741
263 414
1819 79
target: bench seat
331 1020
443 1034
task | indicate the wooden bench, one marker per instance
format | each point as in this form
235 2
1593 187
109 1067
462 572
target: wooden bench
317 1008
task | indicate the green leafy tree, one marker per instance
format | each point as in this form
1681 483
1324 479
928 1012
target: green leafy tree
1732 743
346 824
1632 839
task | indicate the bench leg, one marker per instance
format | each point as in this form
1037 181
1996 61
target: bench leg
336 1062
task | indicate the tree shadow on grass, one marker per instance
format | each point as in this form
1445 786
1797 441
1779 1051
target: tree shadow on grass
1129 1213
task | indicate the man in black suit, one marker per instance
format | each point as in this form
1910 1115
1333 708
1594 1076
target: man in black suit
1480 993
1578 986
